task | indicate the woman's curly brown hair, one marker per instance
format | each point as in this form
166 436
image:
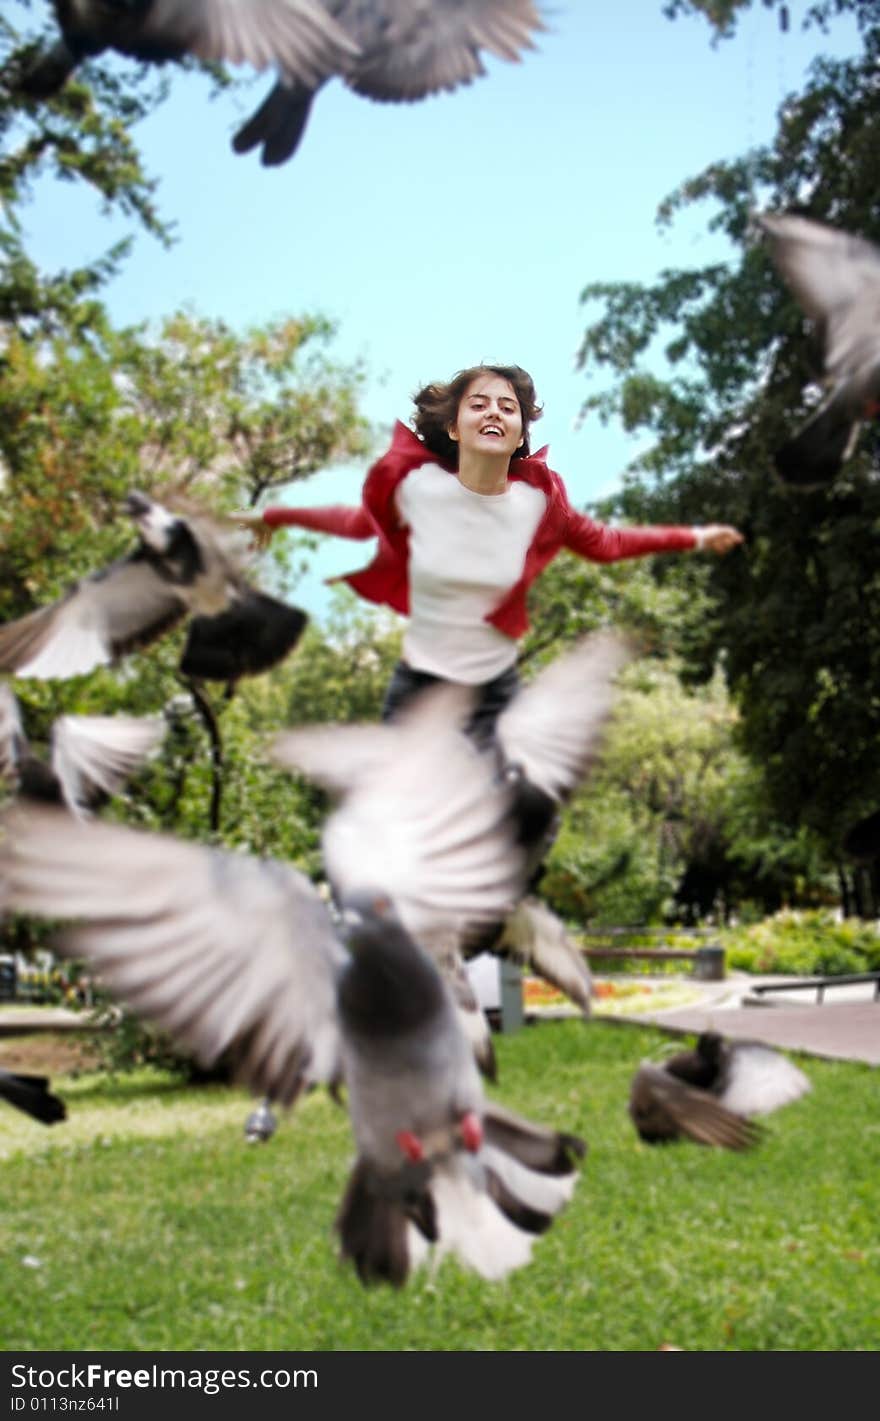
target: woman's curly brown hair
437 408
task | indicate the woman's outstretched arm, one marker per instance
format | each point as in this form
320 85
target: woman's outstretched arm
601 543
340 519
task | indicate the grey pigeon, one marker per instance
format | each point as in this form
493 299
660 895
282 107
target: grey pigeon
835 276
32 1095
187 564
546 742
297 37
229 953
709 1094
407 49
90 757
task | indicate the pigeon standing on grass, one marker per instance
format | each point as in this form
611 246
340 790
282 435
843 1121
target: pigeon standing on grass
187 564
90 758
230 953
835 276
297 37
406 50
32 1095
709 1094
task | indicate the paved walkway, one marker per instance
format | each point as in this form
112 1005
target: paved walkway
844 1027
17 1019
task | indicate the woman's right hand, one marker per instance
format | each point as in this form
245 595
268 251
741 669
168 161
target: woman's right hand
253 522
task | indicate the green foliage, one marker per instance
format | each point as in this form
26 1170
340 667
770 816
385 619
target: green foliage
673 824
124 1043
152 1204
81 136
342 671
197 406
723 15
804 943
717 364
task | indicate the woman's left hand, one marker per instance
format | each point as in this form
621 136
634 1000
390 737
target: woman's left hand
720 537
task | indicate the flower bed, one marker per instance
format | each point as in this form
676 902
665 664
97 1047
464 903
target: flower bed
610 998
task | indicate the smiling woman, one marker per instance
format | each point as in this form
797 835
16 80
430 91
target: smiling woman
466 518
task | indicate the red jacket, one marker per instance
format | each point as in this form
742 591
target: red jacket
386 577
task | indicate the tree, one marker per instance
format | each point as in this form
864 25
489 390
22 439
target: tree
198 406
674 823
81 136
717 363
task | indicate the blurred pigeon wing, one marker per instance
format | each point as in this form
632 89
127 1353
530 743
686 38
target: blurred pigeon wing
430 45
545 1192
836 278
297 36
335 757
222 951
692 1113
760 1080
11 734
537 1147
100 618
553 727
536 937
443 946
825 267
254 633
445 856
94 755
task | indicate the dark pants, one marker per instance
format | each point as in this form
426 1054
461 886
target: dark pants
491 697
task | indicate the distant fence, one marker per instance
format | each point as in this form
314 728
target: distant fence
819 985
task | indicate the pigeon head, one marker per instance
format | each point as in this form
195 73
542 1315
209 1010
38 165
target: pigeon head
155 524
168 537
710 1048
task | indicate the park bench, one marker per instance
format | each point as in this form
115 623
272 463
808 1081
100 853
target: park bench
501 995
706 958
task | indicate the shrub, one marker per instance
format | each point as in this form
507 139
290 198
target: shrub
805 943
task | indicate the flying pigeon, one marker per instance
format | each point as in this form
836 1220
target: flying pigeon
405 51
186 564
298 37
231 953
836 278
547 740
709 1094
31 1094
91 756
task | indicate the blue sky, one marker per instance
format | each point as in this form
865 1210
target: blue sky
459 229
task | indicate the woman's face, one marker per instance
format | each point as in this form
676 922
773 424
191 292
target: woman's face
489 418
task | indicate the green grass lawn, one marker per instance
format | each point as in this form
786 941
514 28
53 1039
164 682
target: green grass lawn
145 1222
